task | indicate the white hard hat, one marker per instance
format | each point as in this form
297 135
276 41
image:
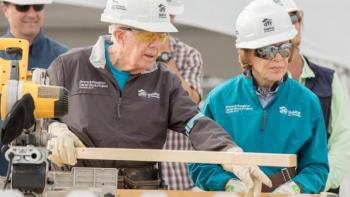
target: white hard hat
289 5
263 23
175 7
148 15
28 2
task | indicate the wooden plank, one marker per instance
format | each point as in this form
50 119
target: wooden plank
154 155
169 193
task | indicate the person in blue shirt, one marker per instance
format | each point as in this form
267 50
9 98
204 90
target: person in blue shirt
265 111
25 18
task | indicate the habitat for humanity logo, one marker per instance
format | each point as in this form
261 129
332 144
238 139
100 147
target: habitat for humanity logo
285 111
162 11
117 6
143 93
237 108
268 26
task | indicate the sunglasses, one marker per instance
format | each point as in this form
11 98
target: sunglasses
270 52
146 36
25 8
295 17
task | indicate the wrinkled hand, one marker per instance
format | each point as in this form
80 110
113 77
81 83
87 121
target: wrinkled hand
247 173
62 144
234 185
287 188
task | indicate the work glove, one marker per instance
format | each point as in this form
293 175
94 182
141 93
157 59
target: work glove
62 144
234 185
289 187
247 173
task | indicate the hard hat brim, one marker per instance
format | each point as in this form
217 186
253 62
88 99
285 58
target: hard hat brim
31 2
147 26
262 42
176 10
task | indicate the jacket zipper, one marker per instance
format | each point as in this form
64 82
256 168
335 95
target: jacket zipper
118 106
263 121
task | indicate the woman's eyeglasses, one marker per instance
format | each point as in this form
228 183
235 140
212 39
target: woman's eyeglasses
295 17
270 52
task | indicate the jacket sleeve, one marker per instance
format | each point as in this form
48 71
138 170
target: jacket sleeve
312 169
185 117
209 177
55 72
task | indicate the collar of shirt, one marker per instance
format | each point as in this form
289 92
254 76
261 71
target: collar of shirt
98 59
305 73
120 77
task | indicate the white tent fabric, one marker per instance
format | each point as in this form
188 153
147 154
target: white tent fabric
326 33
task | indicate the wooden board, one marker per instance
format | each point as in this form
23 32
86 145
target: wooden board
169 193
153 155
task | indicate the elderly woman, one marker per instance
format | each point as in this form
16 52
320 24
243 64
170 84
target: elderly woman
120 97
260 111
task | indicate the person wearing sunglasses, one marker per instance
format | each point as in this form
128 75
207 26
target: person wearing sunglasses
265 111
325 83
121 97
25 18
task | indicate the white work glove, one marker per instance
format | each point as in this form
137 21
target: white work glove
287 188
247 173
234 185
62 144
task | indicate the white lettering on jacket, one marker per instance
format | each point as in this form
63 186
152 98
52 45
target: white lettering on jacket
92 84
237 108
284 110
143 93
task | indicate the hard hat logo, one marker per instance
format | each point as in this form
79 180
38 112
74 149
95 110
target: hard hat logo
268 27
117 6
162 11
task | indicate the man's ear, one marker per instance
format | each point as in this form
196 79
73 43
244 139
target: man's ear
4 9
119 36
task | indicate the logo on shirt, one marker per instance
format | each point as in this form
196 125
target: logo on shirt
143 93
237 108
89 85
284 110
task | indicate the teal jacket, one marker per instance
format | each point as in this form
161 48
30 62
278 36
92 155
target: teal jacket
291 123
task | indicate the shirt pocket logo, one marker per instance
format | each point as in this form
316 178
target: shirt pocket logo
89 85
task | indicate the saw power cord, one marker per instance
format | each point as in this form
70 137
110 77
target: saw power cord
11 156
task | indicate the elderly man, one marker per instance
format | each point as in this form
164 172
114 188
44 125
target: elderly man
25 18
120 97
